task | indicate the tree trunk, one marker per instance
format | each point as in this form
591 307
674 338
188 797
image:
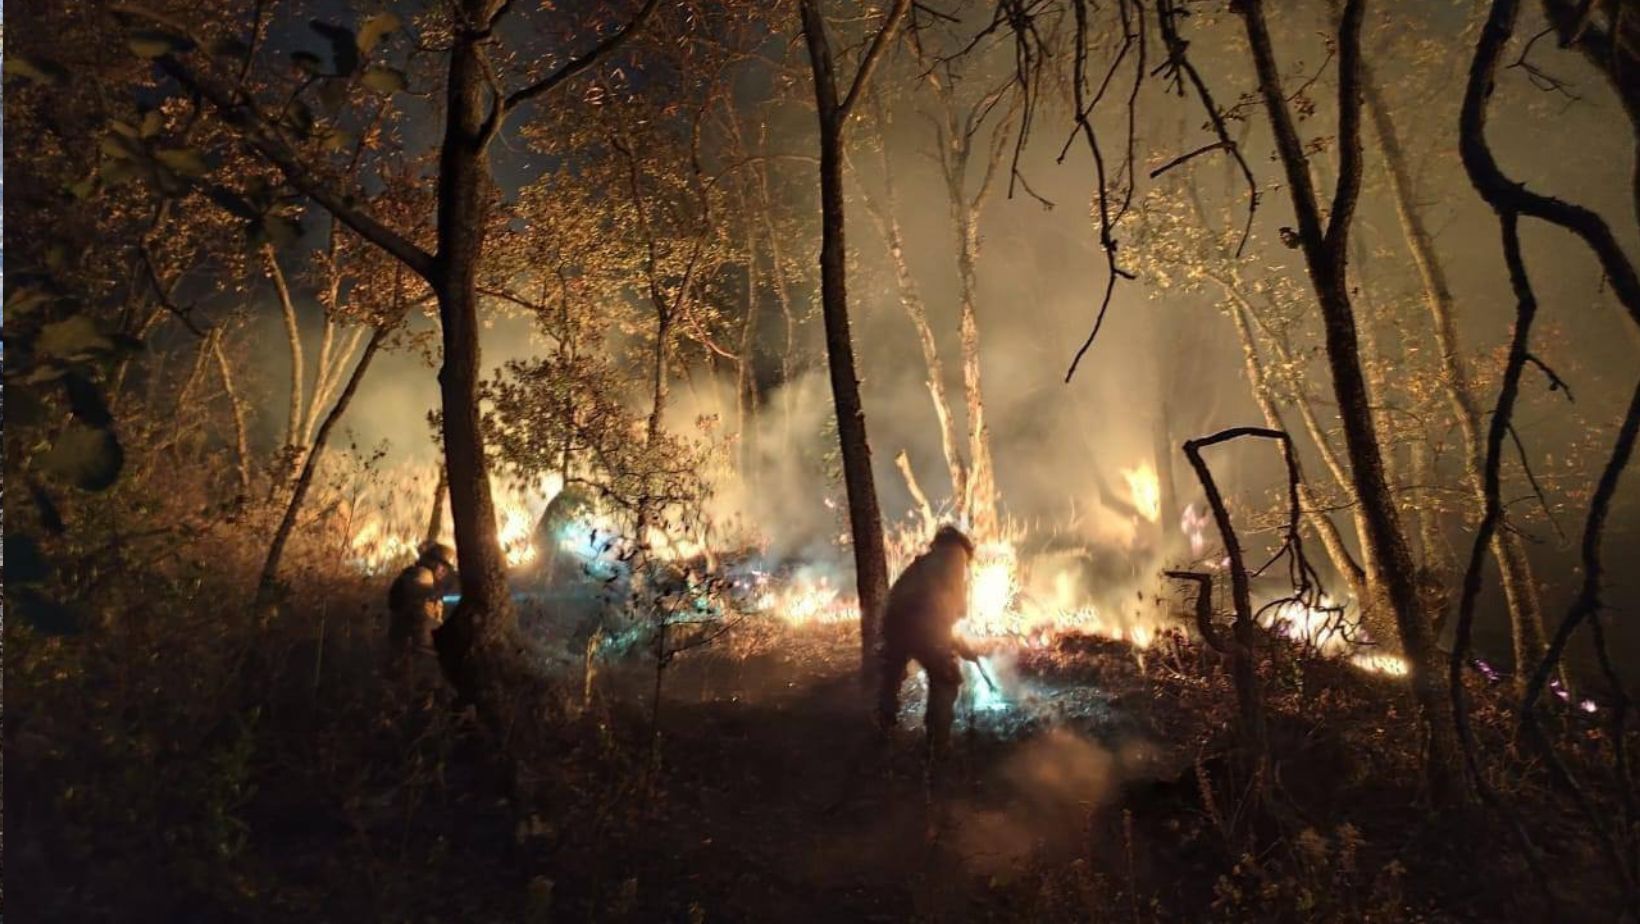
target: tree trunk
982 485
956 148
1436 557
1363 578
269 582
435 518
746 371
484 615
658 382
777 265
293 334
1525 612
1331 540
865 519
1167 491
1326 256
887 220
242 452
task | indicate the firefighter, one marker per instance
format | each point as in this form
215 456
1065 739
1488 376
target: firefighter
923 607
416 599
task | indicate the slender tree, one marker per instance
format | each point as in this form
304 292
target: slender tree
865 519
1325 245
1508 548
475 109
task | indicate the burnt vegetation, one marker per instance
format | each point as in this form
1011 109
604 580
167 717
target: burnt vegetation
1277 363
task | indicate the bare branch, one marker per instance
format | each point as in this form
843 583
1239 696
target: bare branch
862 77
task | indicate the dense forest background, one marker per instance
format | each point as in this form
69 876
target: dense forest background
1280 358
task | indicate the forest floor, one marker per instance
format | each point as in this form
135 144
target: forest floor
310 785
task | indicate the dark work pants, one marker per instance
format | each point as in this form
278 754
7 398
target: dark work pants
944 679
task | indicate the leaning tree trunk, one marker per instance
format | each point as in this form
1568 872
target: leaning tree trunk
865 519
242 451
1363 577
1525 612
465 187
267 586
293 334
435 517
1325 250
886 217
1316 515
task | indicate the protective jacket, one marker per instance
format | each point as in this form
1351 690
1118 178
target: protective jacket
416 602
924 606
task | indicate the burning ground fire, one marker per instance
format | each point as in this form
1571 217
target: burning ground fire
1012 599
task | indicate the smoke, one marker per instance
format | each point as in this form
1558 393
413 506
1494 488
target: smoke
1050 790
1167 364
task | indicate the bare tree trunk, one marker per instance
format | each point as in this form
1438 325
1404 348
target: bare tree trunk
777 265
1525 611
1337 551
293 334
903 463
955 152
332 370
268 585
1244 654
1326 252
1363 578
982 485
435 518
1377 366
886 216
1437 571
865 519
746 371
242 453
195 373
658 381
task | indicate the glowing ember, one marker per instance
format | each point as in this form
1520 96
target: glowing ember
1145 490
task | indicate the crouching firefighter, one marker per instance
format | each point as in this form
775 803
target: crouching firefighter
924 607
416 599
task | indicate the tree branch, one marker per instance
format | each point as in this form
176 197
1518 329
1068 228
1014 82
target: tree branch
862 77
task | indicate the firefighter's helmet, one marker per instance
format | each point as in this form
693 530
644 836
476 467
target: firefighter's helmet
951 535
437 553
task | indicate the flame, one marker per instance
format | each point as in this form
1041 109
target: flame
1381 664
807 598
1323 628
993 587
391 531
1145 490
